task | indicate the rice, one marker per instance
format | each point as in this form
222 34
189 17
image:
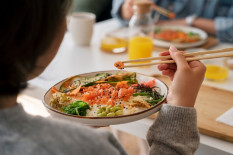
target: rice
93 111
60 99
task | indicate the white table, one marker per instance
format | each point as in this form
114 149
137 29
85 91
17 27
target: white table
72 60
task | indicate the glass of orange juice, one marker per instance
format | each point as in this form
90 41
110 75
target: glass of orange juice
216 72
140 47
114 44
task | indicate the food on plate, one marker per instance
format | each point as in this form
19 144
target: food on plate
177 36
105 95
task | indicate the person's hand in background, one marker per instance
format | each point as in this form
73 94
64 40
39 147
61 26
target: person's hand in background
127 9
186 77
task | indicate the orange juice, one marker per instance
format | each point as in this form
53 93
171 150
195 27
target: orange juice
214 72
140 47
109 44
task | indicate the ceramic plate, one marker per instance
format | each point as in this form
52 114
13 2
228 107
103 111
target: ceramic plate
167 44
105 121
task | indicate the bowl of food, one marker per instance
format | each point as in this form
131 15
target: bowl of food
179 36
106 97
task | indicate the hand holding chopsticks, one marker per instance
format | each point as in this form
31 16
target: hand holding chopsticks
186 78
190 57
157 8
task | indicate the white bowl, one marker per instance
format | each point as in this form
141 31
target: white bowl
105 121
167 44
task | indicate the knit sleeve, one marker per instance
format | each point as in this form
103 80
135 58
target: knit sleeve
224 28
174 131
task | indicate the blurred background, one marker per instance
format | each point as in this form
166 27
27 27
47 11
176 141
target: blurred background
102 9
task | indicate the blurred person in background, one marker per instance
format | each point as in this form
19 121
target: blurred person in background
101 8
213 16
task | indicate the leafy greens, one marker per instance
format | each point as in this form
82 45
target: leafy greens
76 108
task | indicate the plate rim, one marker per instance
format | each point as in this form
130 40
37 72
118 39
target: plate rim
103 118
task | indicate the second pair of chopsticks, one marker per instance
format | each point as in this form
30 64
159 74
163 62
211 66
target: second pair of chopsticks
190 57
144 4
163 11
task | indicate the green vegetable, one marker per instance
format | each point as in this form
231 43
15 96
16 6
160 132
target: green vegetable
117 108
119 112
104 108
153 102
129 77
91 80
142 94
118 105
70 84
132 81
157 30
89 84
129 81
110 111
99 111
102 114
153 96
76 108
111 114
190 34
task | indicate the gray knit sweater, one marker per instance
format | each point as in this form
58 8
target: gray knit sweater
174 132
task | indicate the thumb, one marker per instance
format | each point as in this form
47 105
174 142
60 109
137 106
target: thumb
178 57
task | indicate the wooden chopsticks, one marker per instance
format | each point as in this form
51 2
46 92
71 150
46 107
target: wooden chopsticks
159 9
190 57
163 11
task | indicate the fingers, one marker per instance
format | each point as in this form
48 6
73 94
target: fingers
131 2
198 67
178 57
130 6
169 72
194 64
167 66
127 9
164 53
162 67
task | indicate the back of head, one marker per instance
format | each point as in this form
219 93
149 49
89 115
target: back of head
27 29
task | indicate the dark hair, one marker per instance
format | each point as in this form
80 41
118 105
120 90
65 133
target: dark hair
27 29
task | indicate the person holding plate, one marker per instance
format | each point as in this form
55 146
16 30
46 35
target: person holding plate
214 17
31 33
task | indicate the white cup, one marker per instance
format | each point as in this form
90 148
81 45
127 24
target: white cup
80 25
